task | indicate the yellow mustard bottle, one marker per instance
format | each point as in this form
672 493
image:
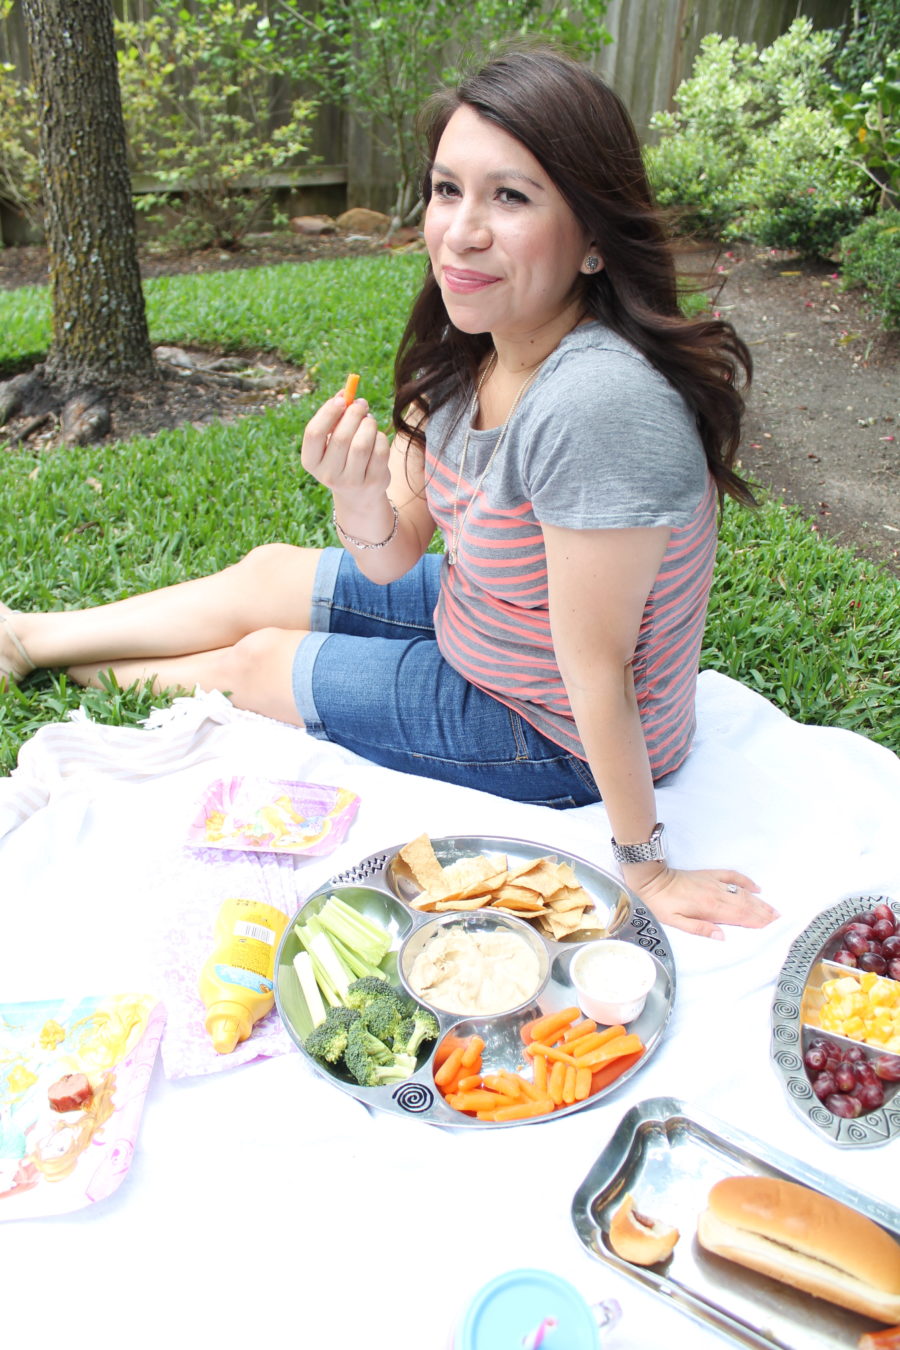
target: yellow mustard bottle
237 982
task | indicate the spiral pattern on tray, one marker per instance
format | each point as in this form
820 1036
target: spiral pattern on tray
790 1063
414 1097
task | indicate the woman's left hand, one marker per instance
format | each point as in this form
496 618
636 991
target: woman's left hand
700 901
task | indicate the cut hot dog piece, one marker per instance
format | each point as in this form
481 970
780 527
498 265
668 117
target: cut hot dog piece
636 1238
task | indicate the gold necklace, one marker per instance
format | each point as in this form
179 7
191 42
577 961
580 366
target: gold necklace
456 530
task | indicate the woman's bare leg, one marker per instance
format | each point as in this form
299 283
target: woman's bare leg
270 588
255 672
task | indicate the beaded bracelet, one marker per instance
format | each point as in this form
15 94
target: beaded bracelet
361 543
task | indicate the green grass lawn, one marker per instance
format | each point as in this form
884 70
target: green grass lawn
795 618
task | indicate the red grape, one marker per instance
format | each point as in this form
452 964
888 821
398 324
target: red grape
884 928
857 927
845 1078
893 969
856 942
842 1104
851 1082
869 916
891 947
870 1095
823 1085
885 912
844 958
872 961
888 1068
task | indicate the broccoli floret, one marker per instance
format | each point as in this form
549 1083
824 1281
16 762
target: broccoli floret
328 1040
382 1017
371 1062
414 1030
380 1006
362 991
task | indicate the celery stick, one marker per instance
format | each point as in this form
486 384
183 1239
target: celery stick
309 987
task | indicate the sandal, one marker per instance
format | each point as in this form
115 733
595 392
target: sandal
15 663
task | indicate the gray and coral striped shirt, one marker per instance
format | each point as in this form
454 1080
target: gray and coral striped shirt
600 441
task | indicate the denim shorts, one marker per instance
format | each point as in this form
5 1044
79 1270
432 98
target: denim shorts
370 677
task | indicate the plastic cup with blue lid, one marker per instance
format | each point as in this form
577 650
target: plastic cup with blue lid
532 1310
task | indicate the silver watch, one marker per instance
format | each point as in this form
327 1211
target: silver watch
653 851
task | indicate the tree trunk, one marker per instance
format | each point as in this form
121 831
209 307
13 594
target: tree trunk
100 336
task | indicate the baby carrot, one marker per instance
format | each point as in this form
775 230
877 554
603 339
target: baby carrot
578 1029
531 1091
548 1052
524 1110
622 1045
592 1041
472 1051
481 1101
468 1081
542 1027
582 1084
568 1093
450 1068
540 1073
602 1078
597 1038
507 1083
350 389
555 1083
446 1048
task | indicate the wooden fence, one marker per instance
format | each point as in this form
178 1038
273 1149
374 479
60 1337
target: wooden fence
654 46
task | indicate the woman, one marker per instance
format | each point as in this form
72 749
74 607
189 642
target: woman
568 432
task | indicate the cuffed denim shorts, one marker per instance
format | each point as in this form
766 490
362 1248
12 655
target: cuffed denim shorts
370 677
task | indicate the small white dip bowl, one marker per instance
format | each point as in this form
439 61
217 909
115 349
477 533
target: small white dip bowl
612 980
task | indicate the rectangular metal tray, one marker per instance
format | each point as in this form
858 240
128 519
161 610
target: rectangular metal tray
669 1159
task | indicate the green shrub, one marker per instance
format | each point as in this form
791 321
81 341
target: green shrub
870 258
870 115
798 189
196 100
870 35
20 179
693 179
753 149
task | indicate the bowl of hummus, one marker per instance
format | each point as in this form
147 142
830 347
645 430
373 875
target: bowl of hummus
477 965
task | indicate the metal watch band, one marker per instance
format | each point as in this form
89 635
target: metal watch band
652 851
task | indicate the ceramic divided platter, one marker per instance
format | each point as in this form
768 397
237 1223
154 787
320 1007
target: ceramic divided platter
797 992
380 889
669 1159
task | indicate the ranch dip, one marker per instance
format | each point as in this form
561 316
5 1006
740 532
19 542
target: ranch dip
475 972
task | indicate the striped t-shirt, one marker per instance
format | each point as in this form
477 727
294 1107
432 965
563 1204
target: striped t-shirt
600 440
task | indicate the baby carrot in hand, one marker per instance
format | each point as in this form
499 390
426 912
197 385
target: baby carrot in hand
350 389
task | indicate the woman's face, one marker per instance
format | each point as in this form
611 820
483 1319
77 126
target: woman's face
505 247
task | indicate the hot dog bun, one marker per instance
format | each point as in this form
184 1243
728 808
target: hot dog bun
639 1239
804 1239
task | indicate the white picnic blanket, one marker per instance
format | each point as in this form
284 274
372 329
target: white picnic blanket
262 1203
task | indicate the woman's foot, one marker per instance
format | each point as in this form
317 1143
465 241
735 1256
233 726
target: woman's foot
15 663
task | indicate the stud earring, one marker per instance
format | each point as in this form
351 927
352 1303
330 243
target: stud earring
591 263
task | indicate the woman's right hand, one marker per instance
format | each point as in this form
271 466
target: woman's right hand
700 901
343 448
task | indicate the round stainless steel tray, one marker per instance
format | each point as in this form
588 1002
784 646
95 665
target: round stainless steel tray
807 960
373 887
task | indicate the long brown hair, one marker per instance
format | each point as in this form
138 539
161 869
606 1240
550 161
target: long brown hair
581 133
